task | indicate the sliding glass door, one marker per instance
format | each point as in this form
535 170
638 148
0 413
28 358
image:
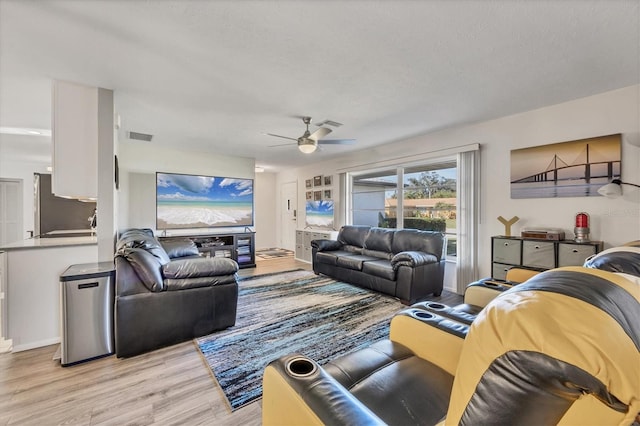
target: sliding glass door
439 192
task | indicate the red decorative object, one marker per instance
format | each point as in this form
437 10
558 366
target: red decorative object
582 220
582 227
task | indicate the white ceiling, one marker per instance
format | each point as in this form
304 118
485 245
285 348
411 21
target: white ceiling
216 75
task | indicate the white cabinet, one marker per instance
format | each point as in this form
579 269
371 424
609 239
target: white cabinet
33 291
304 238
75 140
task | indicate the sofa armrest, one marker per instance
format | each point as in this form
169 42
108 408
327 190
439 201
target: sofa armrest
412 259
326 245
296 390
199 267
430 336
147 267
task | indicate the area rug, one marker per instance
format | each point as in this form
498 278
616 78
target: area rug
279 314
273 253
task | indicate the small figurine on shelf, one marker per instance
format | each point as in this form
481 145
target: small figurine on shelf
582 228
93 221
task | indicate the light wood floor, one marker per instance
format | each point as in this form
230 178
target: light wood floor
165 387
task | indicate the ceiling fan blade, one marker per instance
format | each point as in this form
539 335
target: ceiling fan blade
283 137
320 133
337 141
282 144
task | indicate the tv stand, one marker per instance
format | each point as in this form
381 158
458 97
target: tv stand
238 246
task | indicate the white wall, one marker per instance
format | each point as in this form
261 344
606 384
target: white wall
613 221
139 162
20 157
265 210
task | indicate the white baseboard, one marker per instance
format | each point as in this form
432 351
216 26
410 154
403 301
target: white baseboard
5 346
33 345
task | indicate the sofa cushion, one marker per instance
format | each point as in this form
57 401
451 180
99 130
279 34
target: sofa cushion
378 254
353 235
180 247
329 257
379 268
379 239
422 388
352 249
354 261
199 267
413 240
147 267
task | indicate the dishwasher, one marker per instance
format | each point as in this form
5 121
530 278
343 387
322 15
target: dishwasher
87 296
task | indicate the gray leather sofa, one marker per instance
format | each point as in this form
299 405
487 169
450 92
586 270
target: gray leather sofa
406 263
166 293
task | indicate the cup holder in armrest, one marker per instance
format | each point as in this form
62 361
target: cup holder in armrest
300 367
421 315
436 306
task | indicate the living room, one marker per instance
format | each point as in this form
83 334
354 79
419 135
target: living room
584 89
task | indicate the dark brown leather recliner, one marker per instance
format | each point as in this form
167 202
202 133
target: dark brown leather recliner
167 294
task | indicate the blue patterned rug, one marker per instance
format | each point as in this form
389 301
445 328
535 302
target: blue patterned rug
289 312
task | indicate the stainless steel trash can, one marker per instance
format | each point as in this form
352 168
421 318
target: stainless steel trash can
87 295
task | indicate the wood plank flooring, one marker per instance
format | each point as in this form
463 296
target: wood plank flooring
169 386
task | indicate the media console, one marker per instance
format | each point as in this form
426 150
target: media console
237 246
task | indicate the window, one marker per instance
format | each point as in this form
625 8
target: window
371 198
425 194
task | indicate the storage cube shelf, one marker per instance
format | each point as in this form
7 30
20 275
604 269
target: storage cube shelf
304 238
507 252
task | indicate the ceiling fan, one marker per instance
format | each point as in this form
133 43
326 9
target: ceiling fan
308 142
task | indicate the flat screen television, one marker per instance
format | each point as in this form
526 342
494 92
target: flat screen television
319 214
194 201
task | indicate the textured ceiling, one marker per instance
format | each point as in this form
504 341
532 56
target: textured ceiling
216 75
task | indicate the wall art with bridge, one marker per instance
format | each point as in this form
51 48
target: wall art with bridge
566 169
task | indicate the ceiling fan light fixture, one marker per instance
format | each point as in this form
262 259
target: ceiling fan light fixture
307 147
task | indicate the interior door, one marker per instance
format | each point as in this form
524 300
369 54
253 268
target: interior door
289 216
10 211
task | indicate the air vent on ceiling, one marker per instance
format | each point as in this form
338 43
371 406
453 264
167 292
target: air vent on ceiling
329 123
140 136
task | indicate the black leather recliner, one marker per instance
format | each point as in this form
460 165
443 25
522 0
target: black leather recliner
167 294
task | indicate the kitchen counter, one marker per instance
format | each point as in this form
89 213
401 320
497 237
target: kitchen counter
37 243
31 285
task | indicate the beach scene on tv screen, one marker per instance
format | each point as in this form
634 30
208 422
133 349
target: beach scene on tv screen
319 214
188 201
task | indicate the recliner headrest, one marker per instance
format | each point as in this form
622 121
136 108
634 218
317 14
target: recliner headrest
142 239
624 259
